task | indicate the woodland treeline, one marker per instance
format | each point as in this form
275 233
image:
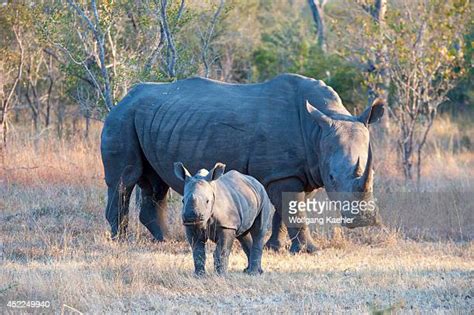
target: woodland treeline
65 63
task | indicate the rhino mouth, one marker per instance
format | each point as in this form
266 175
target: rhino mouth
194 222
363 221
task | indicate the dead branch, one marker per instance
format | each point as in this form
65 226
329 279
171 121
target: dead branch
207 37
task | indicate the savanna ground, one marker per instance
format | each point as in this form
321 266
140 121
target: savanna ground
54 246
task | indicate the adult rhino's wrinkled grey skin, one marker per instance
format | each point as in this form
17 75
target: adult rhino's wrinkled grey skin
222 207
291 133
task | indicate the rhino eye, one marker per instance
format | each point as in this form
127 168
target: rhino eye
182 200
207 201
332 179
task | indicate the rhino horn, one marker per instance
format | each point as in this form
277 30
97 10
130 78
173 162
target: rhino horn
365 182
357 169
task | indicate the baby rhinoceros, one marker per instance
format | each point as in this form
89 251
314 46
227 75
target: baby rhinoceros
222 207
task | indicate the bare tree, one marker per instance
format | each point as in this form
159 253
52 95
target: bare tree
317 10
94 26
51 77
206 38
164 39
151 60
425 63
86 98
7 91
415 53
171 48
32 92
377 10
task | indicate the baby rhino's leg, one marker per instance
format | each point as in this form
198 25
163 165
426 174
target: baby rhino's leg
197 241
246 243
258 234
225 239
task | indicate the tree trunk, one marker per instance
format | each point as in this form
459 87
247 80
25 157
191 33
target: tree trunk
60 119
47 119
380 8
317 10
6 99
172 57
207 38
33 103
99 36
155 53
86 133
378 14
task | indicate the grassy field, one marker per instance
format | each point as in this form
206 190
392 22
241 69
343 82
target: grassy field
54 247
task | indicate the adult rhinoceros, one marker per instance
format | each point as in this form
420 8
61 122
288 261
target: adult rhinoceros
292 133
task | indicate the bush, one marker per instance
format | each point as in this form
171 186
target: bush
290 51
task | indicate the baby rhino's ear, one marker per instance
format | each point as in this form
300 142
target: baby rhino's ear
216 172
180 171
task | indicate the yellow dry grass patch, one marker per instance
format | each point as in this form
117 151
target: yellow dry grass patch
108 277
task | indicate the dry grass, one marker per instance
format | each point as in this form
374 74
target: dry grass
53 247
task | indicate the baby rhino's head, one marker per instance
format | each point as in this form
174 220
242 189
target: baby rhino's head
198 195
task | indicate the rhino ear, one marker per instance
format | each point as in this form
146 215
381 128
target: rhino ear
321 119
373 113
216 172
180 171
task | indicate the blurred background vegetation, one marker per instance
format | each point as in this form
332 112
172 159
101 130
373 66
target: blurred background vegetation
66 63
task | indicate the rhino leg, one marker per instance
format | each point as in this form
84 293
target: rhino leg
246 243
197 240
279 231
116 212
225 239
123 168
301 240
153 204
258 235
278 236
299 235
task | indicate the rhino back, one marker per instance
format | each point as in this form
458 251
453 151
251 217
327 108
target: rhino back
255 129
239 200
